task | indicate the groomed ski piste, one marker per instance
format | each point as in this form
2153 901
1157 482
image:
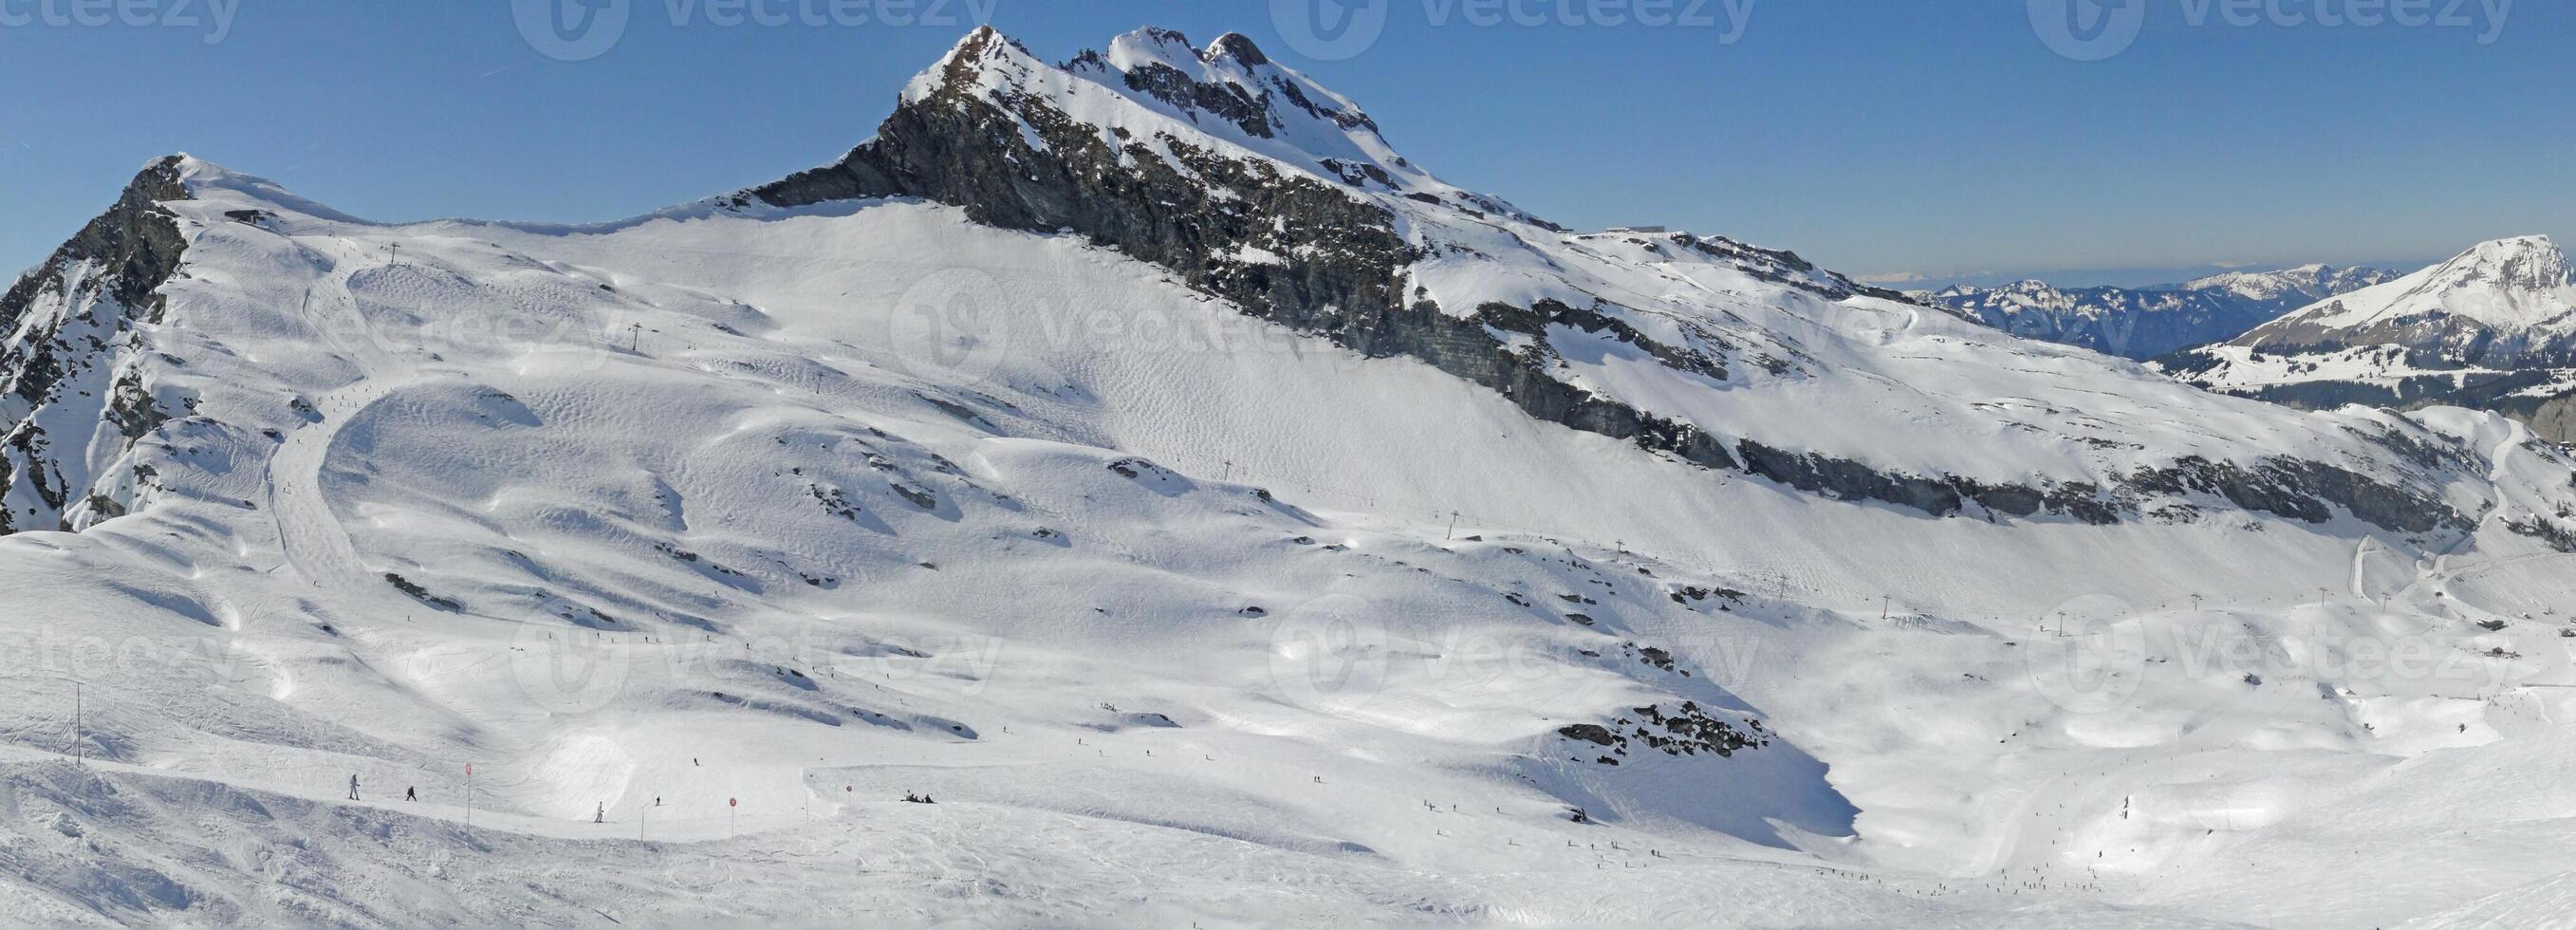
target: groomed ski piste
708 538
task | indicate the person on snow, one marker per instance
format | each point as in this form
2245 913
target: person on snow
353 787
411 794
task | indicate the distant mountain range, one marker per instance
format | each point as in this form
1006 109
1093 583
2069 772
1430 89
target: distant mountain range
2143 323
1198 499
2493 329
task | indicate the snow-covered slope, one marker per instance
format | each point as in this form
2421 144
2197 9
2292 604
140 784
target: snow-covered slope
2511 301
1724 355
2494 328
1387 560
2143 323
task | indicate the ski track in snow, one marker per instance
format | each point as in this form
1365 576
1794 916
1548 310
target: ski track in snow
731 559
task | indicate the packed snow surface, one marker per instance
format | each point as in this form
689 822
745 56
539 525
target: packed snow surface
708 538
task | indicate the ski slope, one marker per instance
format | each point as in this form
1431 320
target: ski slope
707 537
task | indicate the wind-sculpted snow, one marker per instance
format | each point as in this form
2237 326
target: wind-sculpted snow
709 538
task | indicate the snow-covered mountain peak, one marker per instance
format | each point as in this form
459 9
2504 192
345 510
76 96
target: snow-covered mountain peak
1154 84
2505 285
1231 61
249 197
2508 282
1252 184
984 59
2493 328
2522 263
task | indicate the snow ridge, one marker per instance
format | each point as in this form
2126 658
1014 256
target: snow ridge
1277 527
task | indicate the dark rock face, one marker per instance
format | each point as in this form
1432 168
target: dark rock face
136 239
1850 480
1687 731
1341 278
2302 490
74 315
1014 160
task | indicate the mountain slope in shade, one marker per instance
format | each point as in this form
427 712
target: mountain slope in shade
1529 577
2494 328
2143 323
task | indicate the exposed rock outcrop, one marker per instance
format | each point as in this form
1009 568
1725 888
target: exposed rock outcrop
73 369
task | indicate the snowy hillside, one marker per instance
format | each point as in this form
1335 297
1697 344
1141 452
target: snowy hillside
1223 521
2494 328
2143 323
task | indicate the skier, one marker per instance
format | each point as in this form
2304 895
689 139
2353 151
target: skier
353 787
411 794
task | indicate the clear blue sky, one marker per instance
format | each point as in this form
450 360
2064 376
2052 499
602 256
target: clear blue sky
1875 136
